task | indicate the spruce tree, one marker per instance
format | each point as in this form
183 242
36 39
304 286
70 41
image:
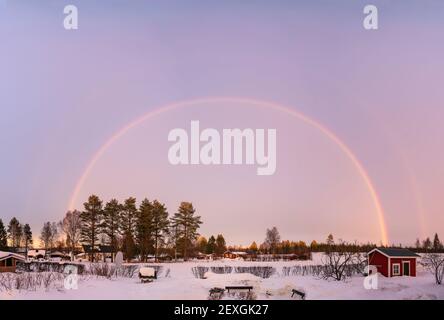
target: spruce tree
144 228
201 244
427 244
187 225
46 236
15 233
221 245
159 225
111 223
211 245
253 247
91 219
436 243
3 236
27 236
128 222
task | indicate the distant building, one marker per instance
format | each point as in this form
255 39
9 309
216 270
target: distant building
36 254
8 261
59 256
392 262
235 254
101 252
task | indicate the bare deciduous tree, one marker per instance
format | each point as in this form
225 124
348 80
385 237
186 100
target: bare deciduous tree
71 226
272 239
341 263
434 262
48 235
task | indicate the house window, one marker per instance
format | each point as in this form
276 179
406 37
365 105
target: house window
396 271
9 262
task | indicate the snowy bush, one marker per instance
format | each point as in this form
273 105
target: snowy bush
259 271
46 266
308 270
320 270
31 281
102 270
199 272
222 270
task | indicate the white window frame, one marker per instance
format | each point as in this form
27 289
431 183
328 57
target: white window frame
399 269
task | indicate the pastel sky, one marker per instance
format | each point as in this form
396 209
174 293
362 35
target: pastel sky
63 94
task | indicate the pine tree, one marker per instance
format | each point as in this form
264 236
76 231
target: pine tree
91 219
436 243
417 244
187 225
221 245
27 235
128 219
253 246
128 216
427 244
144 228
3 236
201 244
211 245
15 233
111 222
46 236
159 225
313 245
330 240
174 235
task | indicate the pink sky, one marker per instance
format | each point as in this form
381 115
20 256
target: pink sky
64 94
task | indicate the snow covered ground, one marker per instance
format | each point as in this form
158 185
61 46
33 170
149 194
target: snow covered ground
180 283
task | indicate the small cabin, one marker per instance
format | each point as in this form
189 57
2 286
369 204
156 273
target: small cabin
8 261
392 262
100 252
235 254
36 254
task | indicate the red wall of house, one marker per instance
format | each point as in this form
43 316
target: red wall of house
380 262
400 260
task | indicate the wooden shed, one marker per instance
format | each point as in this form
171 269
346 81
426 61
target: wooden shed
392 262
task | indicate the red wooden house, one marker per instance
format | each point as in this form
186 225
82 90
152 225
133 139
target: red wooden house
8 261
392 262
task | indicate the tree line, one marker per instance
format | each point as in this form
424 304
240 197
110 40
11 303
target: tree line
19 236
148 230
135 230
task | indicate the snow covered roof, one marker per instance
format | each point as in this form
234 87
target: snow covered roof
58 254
6 255
239 253
98 248
36 252
396 252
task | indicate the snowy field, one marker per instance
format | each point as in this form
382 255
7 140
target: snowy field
176 281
